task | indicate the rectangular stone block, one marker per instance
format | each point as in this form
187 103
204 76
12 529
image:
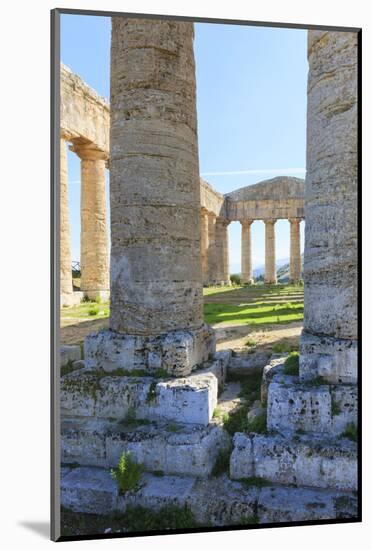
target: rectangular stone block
177 352
335 360
189 400
168 448
69 354
89 490
295 405
303 461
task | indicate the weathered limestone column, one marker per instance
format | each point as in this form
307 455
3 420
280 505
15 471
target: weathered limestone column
329 339
204 245
156 282
270 276
246 264
212 255
66 288
223 251
94 240
295 258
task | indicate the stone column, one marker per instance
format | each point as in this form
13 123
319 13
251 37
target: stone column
66 288
270 276
204 245
212 250
295 258
156 283
246 264
94 240
222 247
329 339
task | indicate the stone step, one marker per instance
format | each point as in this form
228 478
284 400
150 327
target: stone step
214 502
300 460
310 406
180 449
247 364
189 400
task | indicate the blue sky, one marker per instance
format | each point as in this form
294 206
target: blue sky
251 108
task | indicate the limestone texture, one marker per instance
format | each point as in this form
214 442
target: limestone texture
156 281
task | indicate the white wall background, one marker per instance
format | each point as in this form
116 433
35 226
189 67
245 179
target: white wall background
24 219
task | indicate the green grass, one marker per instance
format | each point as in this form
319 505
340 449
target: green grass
86 310
134 519
222 463
350 432
291 365
258 313
254 482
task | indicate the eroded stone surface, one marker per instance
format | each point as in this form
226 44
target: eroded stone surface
166 448
312 408
298 460
187 400
69 354
214 502
177 352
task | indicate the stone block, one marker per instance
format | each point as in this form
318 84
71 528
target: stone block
303 461
335 360
214 502
177 352
89 490
307 407
245 365
189 400
69 354
168 448
275 366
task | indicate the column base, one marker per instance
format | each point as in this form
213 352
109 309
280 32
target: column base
102 295
333 359
247 281
71 299
176 352
270 281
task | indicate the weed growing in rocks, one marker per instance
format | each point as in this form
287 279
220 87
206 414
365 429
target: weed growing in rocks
222 462
127 474
291 366
350 432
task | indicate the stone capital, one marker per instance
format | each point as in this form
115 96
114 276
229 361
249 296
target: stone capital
246 223
88 151
270 221
294 220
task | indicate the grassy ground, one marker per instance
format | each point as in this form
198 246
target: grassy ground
258 307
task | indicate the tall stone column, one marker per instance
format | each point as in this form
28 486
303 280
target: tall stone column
156 283
329 339
94 239
295 258
204 245
212 256
246 264
66 288
270 276
222 247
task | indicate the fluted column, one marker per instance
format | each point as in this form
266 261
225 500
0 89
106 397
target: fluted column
295 258
270 276
65 229
246 264
212 251
94 238
204 245
223 260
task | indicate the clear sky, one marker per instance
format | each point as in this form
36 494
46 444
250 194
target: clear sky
251 108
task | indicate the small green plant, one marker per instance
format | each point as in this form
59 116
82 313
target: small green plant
218 413
317 381
172 427
235 279
67 368
335 408
248 520
98 299
291 366
222 462
350 432
281 347
250 343
258 424
254 482
93 311
127 474
236 422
